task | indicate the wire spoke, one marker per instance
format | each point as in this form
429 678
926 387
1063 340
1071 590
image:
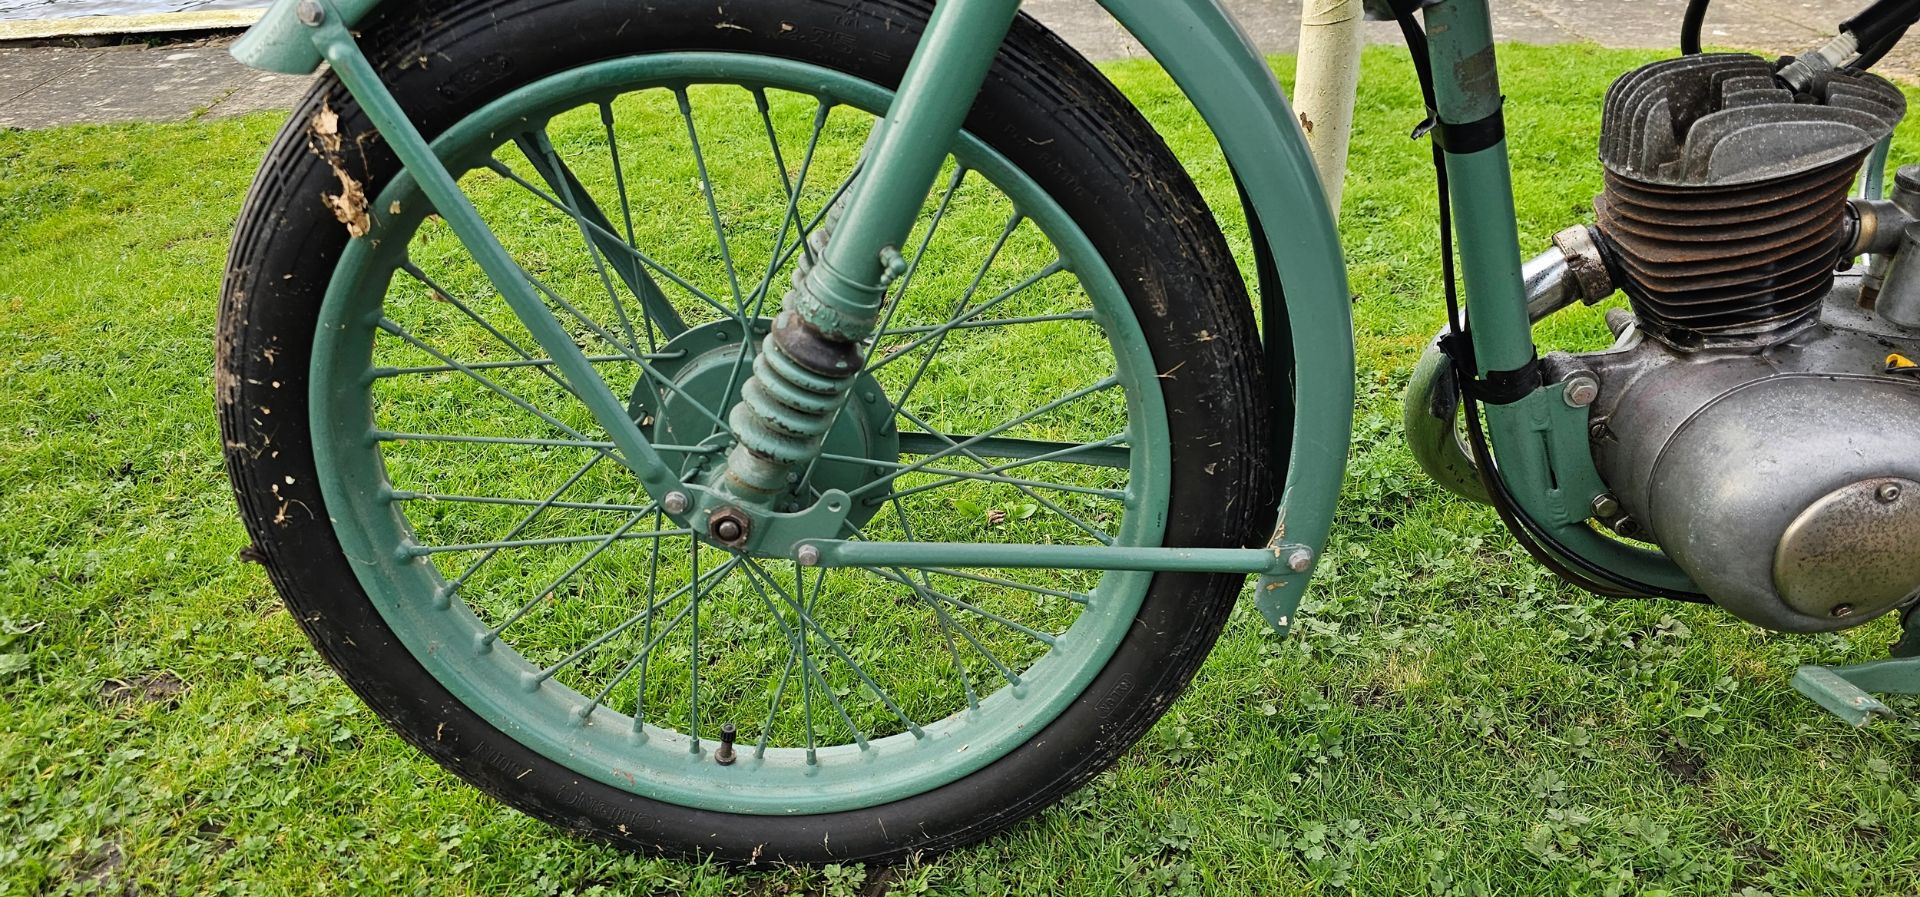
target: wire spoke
989 476
389 326
970 441
1045 502
947 624
955 476
808 668
962 317
547 594
390 436
754 569
1084 315
424 550
713 206
501 169
647 310
385 372
1025 630
474 566
537 146
443 295
436 497
1075 597
959 305
719 573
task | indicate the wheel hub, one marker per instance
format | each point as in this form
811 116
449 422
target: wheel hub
702 378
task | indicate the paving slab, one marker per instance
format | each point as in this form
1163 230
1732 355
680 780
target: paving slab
49 86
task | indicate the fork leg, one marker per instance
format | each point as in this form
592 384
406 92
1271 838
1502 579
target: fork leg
810 359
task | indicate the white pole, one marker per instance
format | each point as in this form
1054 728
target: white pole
1325 80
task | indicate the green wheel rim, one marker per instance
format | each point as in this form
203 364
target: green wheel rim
372 486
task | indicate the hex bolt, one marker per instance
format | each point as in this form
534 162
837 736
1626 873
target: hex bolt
309 13
1300 561
808 556
1582 389
1888 493
1606 506
1842 610
676 502
724 756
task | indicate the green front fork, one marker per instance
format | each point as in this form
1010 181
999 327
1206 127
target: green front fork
840 299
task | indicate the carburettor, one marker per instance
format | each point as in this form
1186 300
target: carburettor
1757 417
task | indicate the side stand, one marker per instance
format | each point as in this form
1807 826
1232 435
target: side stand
1849 691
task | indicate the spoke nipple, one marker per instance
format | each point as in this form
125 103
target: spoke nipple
675 502
808 556
724 755
1300 561
1889 493
310 13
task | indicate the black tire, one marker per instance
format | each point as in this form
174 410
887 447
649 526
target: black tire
1044 107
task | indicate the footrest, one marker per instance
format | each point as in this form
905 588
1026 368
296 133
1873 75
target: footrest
1831 690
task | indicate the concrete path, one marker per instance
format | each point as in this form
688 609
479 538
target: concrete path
47 86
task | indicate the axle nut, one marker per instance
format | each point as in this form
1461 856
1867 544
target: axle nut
729 527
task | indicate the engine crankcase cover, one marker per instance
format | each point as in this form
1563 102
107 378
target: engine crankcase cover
1794 500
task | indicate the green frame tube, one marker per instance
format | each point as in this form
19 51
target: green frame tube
1541 440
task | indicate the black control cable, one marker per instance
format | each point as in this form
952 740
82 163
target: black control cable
1690 25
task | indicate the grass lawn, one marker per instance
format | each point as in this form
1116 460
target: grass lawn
1447 718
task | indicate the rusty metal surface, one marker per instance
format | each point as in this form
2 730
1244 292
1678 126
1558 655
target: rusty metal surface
1726 194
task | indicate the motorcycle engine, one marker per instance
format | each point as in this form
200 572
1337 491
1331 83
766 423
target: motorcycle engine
1756 417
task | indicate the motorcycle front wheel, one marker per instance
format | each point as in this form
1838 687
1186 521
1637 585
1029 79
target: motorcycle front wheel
1069 359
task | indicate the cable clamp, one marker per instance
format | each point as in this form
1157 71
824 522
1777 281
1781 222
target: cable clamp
1497 387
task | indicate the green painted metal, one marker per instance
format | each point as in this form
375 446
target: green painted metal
280 43
1229 83
1873 178
1430 418
1021 449
335 43
1541 443
902 159
609 251
841 553
500 684
705 374
1848 692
